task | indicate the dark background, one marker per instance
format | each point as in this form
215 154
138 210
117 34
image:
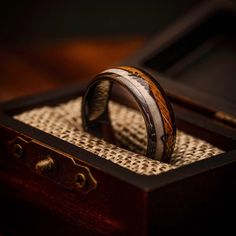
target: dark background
50 44
30 21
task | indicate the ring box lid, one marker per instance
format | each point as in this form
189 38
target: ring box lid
195 60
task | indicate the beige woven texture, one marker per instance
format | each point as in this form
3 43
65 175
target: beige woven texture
64 122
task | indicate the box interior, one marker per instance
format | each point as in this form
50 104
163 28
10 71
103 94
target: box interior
64 122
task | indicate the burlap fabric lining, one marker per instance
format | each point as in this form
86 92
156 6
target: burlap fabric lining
64 122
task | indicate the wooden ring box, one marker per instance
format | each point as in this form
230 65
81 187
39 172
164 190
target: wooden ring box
195 61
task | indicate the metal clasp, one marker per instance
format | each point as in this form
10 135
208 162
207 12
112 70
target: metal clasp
52 164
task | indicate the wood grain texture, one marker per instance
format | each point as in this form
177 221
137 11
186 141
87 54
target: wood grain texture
166 111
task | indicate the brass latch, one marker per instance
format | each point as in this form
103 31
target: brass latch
53 164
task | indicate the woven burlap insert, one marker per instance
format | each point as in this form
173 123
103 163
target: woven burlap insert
64 122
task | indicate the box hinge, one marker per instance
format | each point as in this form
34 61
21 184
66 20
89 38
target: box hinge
226 118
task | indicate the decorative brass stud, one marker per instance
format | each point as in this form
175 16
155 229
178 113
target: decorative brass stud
17 151
45 166
80 180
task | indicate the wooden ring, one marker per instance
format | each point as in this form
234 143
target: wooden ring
151 99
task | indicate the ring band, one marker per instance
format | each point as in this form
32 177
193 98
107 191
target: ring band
151 99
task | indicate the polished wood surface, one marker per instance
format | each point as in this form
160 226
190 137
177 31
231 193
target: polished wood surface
36 68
